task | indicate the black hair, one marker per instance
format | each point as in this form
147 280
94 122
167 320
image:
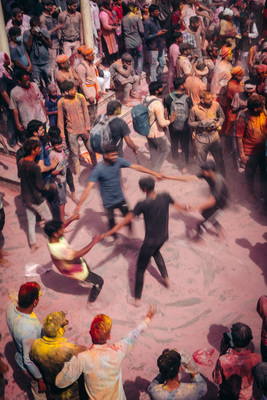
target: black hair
241 334
193 20
71 2
109 148
177 82
147 184
14 31
154 86
106 3
30 145
32 127
210 48
169 363
112 106
21 73
15 11
152 8
176 5
53 131
34 20
176 35
66 86
47 3
28 293
56 140
260 374
52 227
255 102
176 27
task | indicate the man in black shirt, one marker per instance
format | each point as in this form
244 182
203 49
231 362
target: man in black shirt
32 188
119 129
216 201
156 214
181 103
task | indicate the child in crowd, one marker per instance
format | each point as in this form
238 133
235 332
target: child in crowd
54 131
51 104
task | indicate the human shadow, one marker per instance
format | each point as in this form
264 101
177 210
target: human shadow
212 392
62 284
257 253
133 389
19 377
215 335
92 222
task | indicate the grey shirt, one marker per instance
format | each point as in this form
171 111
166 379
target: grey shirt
39 53
132 29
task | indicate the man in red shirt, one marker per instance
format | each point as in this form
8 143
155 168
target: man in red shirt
233 369
251 133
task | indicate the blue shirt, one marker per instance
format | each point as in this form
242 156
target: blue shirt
52 106
18 52
24 329
108 177
186 391
153 41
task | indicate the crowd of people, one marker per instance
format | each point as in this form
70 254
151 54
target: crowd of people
214 103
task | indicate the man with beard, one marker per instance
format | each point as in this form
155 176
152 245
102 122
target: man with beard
18 20
251 133
66 72
206 117
26 103
107 173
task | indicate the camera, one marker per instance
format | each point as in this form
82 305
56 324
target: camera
38 30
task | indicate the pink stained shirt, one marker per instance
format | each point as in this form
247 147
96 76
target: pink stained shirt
230 368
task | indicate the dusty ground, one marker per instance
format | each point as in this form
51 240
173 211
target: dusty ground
213 285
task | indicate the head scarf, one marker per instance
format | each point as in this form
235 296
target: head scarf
236 71
87 51
228 12
3 70
225 51
62 59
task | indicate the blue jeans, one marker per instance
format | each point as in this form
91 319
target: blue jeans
137 51
40 72
157 63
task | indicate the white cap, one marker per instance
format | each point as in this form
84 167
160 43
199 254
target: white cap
228 12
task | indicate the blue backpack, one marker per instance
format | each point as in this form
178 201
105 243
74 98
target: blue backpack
141 119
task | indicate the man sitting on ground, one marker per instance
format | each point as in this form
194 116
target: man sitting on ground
122 74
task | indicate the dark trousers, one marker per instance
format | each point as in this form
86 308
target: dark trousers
146 252
210 216
250 171
204 146
69 179
97 282
51 196
184 138
122 206
263 352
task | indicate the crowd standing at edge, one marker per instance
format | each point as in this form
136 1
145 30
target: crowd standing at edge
214 104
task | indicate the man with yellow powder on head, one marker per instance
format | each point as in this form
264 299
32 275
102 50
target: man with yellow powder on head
51 351
101 364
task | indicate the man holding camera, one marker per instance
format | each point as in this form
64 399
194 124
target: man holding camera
37 42
206 118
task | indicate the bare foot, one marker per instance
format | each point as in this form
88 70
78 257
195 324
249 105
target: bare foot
134 302
35 247
167 282
5 263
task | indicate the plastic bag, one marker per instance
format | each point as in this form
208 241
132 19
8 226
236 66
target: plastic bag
203 356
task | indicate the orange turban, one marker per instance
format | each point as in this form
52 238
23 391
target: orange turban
62 59
237 71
